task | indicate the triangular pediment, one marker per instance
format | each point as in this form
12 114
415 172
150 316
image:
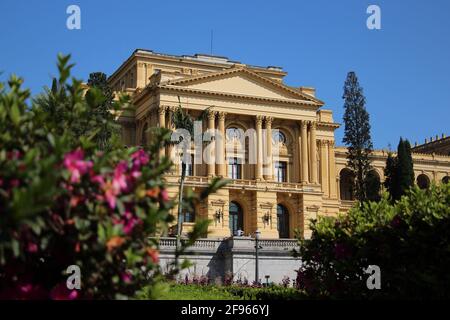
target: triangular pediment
241 82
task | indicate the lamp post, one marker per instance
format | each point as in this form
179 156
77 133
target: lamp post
257 235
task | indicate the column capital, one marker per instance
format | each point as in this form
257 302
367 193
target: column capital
259 119
212 114
162 109
303 124
331 143
221 115
269 120
313 124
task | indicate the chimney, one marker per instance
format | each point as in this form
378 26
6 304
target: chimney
426 140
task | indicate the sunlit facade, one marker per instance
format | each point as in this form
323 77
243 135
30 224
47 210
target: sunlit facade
281 191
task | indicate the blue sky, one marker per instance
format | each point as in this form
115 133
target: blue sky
404 68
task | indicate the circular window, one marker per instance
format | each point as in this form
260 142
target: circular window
233 133
279 137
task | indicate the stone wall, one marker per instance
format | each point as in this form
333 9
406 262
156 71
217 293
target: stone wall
215 258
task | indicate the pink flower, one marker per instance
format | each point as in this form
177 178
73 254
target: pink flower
119 180
73 161
61 292
140 158
32 247
126 277
164 195
110 195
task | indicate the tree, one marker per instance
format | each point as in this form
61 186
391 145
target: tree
399 171
357 135
390 173
373 186
103 112
64 202
405 171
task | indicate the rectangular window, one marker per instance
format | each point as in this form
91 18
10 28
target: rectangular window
234 168
281 171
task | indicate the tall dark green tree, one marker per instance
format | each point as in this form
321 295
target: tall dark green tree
103 112
390 174
357 135
399 171
373 186
405 171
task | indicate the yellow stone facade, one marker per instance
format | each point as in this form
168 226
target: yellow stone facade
241 96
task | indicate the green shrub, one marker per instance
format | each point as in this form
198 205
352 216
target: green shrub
408 240
66 201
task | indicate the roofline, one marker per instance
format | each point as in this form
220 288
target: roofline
192 60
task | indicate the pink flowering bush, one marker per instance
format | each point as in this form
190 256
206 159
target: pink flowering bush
64 201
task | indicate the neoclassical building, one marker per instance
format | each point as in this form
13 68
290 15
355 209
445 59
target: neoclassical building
280 191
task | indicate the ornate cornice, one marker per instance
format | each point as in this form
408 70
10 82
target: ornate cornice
240 69
303 103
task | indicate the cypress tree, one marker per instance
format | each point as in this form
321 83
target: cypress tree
405 171
357 135
390 174
399 171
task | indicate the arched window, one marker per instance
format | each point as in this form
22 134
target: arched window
236 217
445 179
346 184
282 221
423 181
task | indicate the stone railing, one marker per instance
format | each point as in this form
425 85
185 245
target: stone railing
201 244
278 243
239 243
242 183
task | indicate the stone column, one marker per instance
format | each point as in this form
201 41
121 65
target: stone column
304 151
259 154
220 145
313 152
324 167
269 162
170 147
162 124
212 158
332 170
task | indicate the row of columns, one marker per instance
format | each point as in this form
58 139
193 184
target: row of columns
308 152
308 164
328 168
